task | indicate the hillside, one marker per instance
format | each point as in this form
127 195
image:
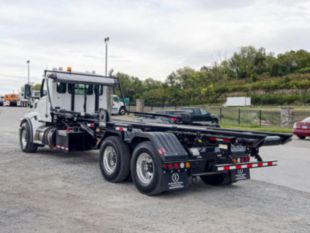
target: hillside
267 78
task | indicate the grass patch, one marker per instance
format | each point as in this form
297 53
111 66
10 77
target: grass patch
272 129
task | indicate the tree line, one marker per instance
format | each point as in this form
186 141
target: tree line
247 70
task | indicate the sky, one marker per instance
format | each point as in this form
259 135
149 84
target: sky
148 38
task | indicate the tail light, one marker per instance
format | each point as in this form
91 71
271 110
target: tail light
297 125
215 139
176 165
69 129
173 119
91 125
244 159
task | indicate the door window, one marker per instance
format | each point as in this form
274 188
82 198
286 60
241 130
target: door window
81 89
116 99
61 87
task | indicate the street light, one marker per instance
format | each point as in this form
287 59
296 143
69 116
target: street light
28 63
106 40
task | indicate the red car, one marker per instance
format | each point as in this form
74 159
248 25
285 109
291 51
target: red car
302 128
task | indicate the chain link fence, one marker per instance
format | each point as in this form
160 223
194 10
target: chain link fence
243 116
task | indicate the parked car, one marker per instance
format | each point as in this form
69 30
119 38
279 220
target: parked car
302 128
118 105
1 100
165 117
201 116
185 116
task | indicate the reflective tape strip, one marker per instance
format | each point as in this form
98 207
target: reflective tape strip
62 147
121 128
249 165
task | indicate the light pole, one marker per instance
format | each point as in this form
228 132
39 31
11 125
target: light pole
28 64
106 40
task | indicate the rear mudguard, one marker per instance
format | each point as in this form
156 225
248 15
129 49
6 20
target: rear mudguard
166 145
170 150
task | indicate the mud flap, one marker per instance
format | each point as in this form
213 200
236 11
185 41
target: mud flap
240 174
175 180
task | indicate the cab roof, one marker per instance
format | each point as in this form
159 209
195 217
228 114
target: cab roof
82 78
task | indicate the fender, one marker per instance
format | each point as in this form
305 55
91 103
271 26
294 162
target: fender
167 145
33 122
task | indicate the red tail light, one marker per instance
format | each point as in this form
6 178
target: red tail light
212 139
226 140
245 159
91 125
176 165
69 129
173 119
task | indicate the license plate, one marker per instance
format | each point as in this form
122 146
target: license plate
240 174
304 127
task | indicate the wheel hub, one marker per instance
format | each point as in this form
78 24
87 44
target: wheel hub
145 168
24 138
109 159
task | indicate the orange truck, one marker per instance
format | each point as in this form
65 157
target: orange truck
11 100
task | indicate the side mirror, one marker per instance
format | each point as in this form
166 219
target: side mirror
27 91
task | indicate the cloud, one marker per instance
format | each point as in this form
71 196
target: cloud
148 38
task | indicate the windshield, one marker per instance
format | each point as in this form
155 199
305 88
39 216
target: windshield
307 120
203 111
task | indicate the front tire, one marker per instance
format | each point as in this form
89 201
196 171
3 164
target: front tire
114 159
122 111
146 169
25 139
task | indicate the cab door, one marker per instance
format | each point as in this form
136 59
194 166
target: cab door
90 99
42 106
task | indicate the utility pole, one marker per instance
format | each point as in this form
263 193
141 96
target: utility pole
106 40
108 89
28 64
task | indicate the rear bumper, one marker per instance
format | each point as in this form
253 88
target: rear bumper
239 166
302 132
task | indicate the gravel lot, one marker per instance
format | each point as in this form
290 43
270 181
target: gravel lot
56 192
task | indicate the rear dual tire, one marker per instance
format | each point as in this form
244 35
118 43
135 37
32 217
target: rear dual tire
146 169
114 159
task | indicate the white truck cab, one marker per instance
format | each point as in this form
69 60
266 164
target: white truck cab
67 99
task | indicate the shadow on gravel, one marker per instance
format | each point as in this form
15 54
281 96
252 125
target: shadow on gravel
71 157
196 187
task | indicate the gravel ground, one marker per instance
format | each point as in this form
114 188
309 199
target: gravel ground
56 192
